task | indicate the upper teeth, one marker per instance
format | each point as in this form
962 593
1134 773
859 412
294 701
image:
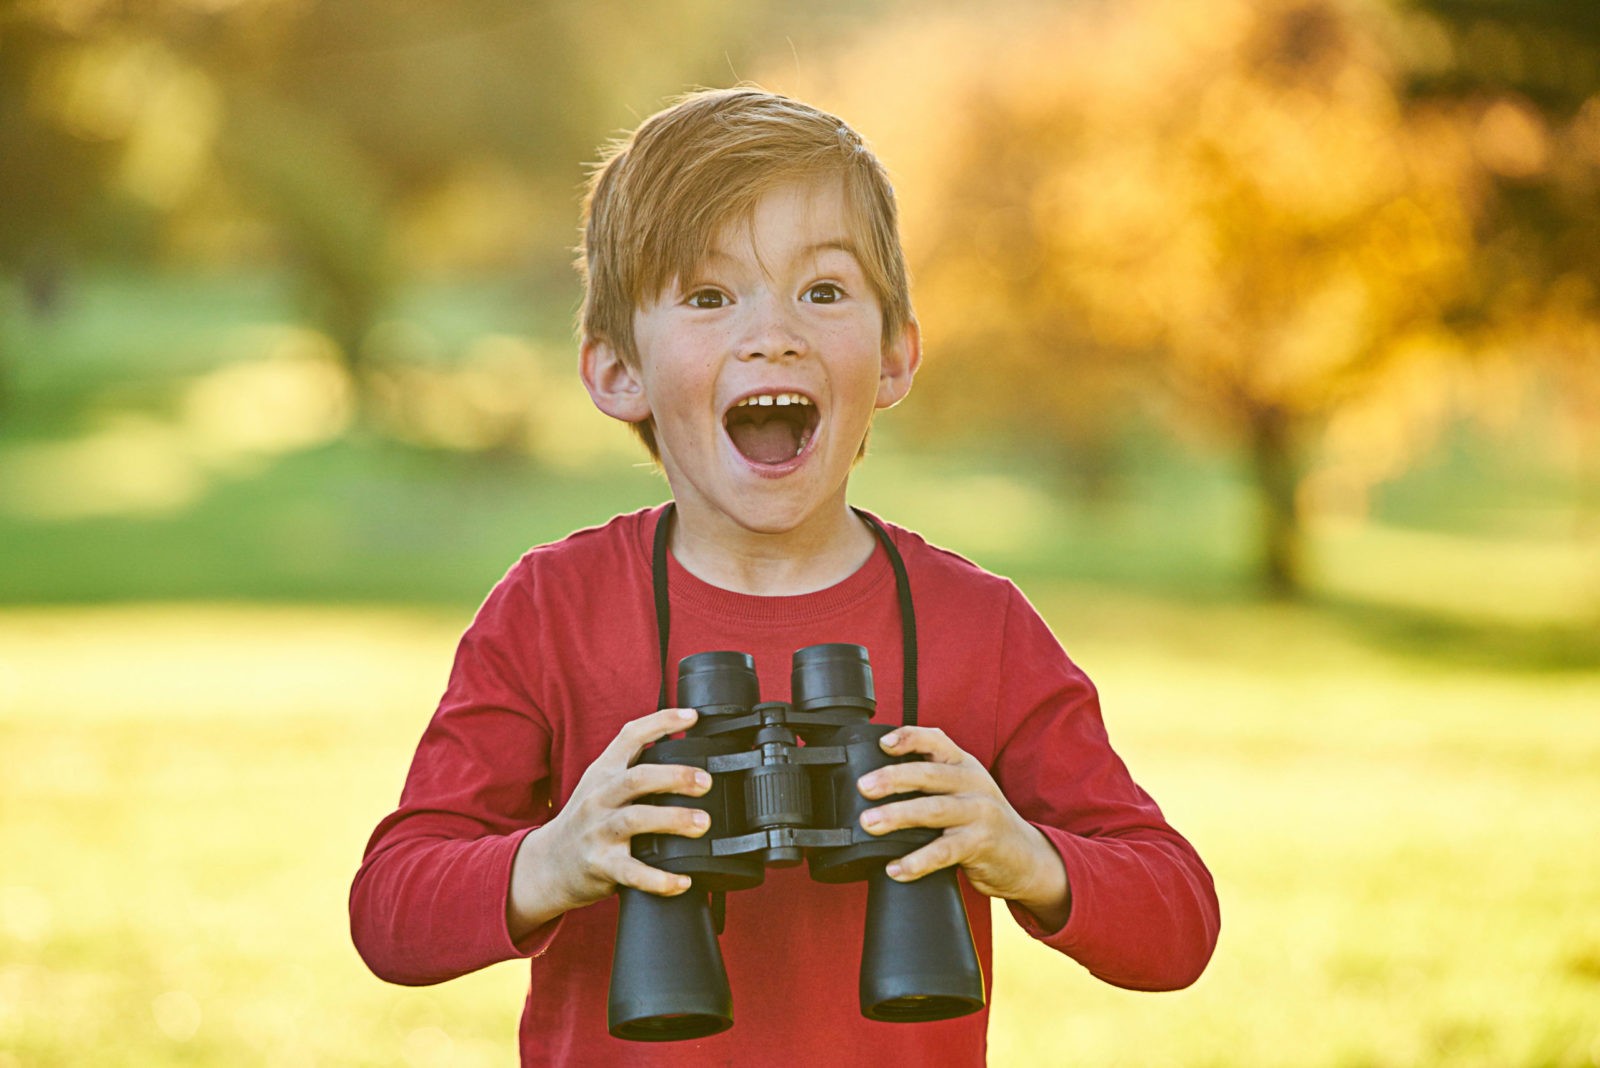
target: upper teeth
774 398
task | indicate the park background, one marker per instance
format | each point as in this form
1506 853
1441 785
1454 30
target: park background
1263 350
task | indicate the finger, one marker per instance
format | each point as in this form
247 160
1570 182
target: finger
931 742
943 852
923 776
638 733
659 819
644 779
641 876
936 810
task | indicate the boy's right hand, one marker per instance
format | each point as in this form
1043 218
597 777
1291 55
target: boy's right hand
582 855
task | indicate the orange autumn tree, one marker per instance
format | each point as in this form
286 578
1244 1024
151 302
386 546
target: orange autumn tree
1519 85
1223 205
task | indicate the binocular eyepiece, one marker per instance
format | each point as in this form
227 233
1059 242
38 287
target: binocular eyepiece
773 803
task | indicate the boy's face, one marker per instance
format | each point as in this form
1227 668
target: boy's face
762 370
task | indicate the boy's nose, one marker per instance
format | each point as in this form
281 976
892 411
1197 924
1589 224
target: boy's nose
772 331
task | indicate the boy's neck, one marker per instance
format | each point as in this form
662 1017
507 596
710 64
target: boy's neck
822 553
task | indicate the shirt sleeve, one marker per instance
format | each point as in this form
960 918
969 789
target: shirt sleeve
429 900
1144 912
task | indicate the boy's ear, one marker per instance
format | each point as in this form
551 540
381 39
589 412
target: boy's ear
901 358
615 388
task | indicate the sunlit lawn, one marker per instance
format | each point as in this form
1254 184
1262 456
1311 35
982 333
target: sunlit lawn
1408 851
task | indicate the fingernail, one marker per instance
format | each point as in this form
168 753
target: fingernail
702 820
871 818
684 882
894 870
687 713
889 741
868 785
702 780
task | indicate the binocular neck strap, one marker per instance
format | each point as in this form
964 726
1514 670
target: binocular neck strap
902 583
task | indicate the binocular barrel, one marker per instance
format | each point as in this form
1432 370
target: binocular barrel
667 977
773 801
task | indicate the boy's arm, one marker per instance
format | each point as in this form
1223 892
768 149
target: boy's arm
1139 909
473 868
444 893
428 902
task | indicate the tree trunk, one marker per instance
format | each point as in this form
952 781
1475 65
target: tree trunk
1277 477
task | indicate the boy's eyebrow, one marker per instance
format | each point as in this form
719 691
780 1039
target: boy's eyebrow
837 244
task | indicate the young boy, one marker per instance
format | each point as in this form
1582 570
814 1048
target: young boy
747 312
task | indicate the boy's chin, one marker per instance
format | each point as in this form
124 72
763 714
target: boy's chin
771 517
768 509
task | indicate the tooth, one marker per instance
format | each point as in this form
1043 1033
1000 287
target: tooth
785 399
765 399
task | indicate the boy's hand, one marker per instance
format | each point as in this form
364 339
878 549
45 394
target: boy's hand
1003 854
582 855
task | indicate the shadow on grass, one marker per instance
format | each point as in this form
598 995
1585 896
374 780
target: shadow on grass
1441 638
351 522
360 521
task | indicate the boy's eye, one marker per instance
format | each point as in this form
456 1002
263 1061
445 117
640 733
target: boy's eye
707 298
823 293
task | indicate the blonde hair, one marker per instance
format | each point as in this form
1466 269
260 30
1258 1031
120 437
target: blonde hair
658 198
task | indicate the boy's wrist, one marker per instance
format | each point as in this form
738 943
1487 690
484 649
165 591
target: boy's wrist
1048 895
532 898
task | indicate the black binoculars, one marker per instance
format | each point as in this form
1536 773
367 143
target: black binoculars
774 802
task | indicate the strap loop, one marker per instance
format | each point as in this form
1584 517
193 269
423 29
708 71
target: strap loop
902 582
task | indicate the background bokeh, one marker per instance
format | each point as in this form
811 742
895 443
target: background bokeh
1263 350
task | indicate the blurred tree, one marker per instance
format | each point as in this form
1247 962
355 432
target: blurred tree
1520 83
333 126
51 169
1221 209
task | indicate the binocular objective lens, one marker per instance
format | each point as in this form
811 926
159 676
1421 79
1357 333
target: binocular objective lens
916 1009
672 1028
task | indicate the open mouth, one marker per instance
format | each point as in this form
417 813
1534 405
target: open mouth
771 428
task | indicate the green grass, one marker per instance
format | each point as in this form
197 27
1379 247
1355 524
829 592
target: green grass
1405 851
350 521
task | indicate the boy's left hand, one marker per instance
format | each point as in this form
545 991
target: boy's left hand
1003 854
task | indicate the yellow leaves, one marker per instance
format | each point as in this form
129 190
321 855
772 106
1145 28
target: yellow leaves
1511 140
1262 222
1586 133
480 217
136 91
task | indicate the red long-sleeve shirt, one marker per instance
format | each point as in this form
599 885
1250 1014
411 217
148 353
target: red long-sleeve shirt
564 651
